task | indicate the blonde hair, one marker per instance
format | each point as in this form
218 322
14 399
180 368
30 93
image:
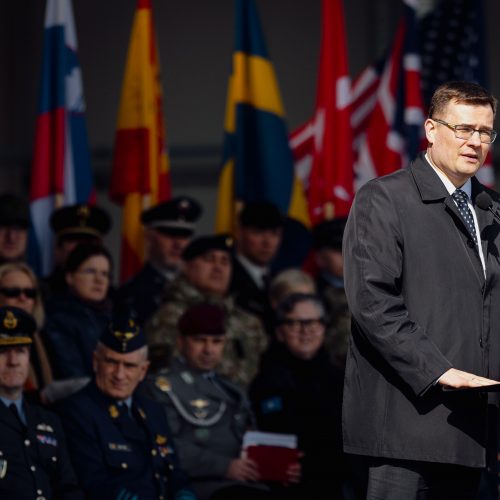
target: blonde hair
38 310
290 281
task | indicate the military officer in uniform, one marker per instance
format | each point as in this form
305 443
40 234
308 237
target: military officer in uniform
14 225
205 278
208 414
72 225
120 442
168 227
34 461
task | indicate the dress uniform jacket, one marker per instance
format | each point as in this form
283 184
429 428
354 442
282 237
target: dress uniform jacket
208 415
120 456
421 304
34 461
142 294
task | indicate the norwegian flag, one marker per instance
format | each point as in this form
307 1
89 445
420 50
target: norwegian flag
447 44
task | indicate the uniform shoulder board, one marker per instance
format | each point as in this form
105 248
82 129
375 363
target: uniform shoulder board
163 383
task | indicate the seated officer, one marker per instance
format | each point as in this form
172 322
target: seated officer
205 278
14 224
72 225
208 414
34 461
120 442
168 227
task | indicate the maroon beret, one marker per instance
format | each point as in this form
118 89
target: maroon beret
202 319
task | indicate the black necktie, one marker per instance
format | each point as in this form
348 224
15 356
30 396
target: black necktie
463 207
13 409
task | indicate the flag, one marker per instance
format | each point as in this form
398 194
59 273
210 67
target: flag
140 176
61 171
330 188
394 133
454 48
450 42
257 160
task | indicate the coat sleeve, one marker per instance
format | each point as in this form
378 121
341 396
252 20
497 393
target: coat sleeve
373 268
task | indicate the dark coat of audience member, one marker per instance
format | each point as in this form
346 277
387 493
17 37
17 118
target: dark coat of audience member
300 396
76 320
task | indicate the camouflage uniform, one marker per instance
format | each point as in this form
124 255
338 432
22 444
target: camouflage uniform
246 339
339 326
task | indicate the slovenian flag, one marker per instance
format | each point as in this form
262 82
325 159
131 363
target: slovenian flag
61 171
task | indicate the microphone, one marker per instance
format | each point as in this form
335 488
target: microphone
485 202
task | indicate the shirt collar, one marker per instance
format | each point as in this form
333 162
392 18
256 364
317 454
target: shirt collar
18 402
256 272
450 187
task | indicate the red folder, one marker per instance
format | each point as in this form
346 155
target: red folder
272 461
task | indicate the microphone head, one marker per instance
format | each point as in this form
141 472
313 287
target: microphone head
484 201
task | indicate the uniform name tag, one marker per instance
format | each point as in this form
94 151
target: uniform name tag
119 447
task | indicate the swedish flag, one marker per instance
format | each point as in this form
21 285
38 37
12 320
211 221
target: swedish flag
258 163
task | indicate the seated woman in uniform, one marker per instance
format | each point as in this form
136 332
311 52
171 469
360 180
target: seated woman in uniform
298 391
19 288
76 321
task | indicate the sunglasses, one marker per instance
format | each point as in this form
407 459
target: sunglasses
12 292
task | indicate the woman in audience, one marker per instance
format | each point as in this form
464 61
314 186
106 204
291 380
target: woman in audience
290 281
19 288
75 322
298 391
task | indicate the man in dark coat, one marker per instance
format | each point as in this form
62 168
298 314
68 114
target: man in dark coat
120 442
34 461
423 295
260 228
168 228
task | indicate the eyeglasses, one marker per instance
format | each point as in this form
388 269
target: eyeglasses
92 271
313 325
12 292
465 132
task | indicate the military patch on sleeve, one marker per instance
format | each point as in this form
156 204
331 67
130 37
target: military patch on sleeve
271 405
3 468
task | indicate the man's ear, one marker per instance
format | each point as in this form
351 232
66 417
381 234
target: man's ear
430 130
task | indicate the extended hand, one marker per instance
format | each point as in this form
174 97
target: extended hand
243 469
457 379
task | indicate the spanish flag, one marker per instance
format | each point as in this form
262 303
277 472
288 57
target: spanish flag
257 163
140 176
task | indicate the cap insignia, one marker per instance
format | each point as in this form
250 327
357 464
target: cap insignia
125 337
83 213
10 321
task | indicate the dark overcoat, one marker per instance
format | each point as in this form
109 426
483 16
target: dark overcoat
421 305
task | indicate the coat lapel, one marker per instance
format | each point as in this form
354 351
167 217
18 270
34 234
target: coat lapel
432 190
